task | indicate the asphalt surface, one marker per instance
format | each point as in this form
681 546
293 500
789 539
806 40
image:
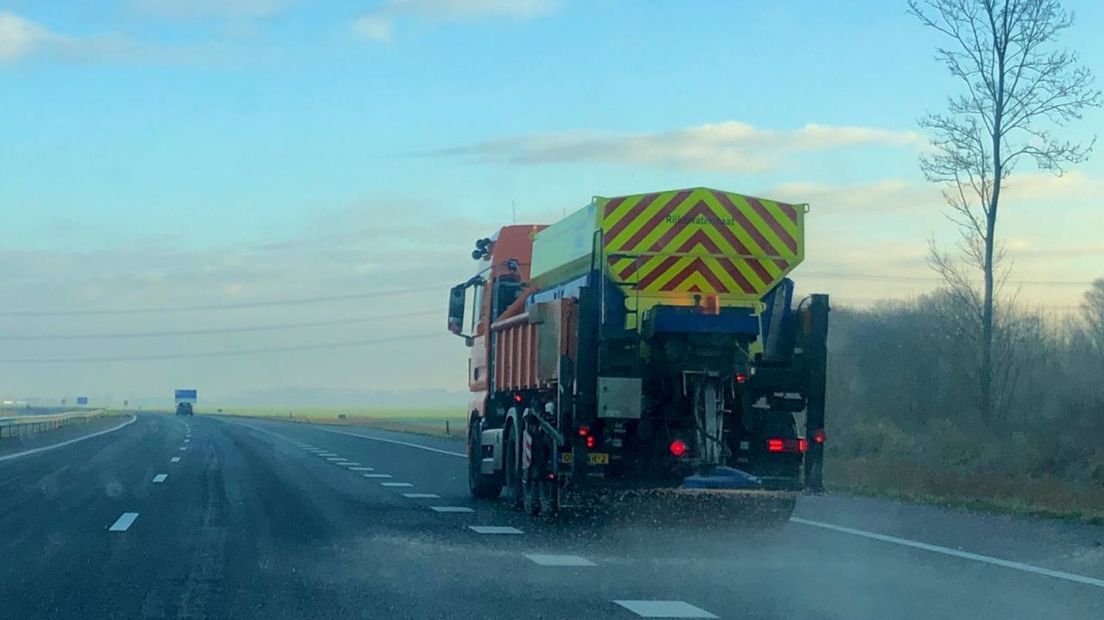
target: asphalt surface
252 522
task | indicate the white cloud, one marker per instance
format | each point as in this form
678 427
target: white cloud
1037 185
379 24
887 196
458 9
729 146
190 9
374 27
21 38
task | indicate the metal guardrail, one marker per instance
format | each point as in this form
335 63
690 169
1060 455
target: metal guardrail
13 426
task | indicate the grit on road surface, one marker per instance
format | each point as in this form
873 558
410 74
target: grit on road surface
207 517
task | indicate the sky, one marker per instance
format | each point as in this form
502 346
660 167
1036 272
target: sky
173 154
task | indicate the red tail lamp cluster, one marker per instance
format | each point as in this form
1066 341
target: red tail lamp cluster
777 445
678 448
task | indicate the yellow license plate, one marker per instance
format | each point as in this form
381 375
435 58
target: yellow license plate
565 457
598 458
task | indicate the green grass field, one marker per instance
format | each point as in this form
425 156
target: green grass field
440 422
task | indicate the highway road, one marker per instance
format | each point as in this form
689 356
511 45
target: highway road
221 517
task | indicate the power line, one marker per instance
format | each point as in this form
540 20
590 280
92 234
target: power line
874 277
217 330
893 300
233 306
172 356
926 279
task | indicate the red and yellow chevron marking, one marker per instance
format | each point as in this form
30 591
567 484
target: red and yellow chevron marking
701 240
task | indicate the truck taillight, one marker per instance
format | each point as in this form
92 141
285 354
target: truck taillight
590 441
741 377
678 447
819 436
778 445
584 431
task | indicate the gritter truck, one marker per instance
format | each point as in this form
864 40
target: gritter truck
645 346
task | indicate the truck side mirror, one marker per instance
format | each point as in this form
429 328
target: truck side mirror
457 296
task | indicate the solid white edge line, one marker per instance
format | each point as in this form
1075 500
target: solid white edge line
67 442
966 555
124 522
397 442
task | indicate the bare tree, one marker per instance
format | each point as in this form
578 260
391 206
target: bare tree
1092 311
1013 83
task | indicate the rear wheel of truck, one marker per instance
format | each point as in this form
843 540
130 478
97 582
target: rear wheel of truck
480 485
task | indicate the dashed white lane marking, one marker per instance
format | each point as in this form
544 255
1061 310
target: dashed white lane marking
334 458
175 459
377 475
665 609
183 447
558 560
399 443
421 495
160 477
396 484
186 440
361 469
349 464
451 509
966 555
123 522
494 529
67 442
326 455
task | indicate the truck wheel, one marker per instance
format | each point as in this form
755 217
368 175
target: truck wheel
480 485
511 461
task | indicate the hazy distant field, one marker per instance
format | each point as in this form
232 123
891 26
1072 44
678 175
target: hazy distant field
421 420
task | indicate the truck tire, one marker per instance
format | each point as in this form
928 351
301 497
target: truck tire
480 485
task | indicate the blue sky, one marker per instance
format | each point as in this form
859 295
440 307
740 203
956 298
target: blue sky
260 149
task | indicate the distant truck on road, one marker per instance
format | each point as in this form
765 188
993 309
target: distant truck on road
645 344
185 401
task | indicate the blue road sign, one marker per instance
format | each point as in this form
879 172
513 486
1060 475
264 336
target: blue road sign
184 396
